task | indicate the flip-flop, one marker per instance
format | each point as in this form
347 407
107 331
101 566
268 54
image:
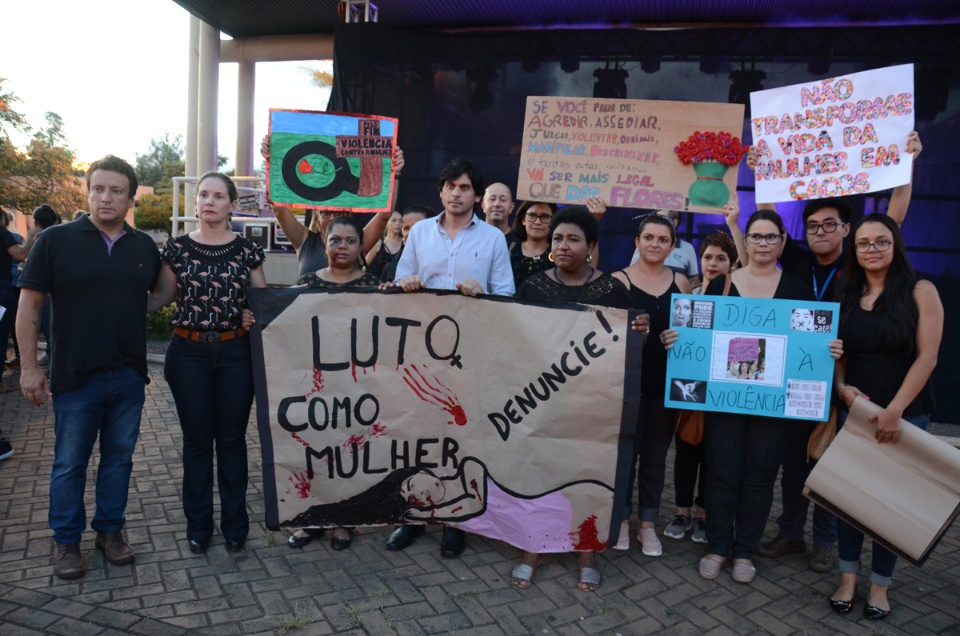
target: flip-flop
589 576
711 565
521 576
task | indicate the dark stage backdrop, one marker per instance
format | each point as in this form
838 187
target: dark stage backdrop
463 94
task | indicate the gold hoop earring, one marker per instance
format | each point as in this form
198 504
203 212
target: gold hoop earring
550 256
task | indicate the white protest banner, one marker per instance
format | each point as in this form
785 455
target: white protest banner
834 137
390 408
631 152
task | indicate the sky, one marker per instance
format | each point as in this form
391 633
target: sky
116 72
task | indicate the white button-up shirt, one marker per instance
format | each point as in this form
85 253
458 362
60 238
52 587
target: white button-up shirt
479 251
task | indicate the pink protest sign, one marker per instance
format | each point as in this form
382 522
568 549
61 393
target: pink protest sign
744 350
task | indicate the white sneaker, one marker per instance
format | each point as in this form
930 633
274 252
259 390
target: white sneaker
623 543
649 542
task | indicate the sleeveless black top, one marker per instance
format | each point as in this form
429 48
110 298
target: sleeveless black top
653 367
877 366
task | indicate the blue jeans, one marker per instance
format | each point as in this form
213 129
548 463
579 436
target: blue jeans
743 456
108 405
850 540
212 385
796 469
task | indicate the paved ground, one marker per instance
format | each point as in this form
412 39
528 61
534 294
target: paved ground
368 590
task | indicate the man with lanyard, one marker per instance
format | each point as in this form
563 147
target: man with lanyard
454 250
827 224
98 272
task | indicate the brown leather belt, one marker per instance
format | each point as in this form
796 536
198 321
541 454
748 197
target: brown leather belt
209 337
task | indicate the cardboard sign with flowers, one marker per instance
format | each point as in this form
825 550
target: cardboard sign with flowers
619 150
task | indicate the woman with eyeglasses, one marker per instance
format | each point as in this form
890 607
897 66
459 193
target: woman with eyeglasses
743 451
891 324
310 242
346 269
531 254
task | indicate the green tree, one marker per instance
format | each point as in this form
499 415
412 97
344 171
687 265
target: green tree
153 211
161 163
9 117
44 173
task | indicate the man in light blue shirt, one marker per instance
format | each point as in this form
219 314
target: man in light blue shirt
456 250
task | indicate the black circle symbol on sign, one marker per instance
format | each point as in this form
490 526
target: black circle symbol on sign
343 180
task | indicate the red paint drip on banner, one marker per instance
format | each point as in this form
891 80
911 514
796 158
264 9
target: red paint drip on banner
476 489
587 538
317 382
302 484
436 393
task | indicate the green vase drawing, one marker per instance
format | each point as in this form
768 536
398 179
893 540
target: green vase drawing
709 189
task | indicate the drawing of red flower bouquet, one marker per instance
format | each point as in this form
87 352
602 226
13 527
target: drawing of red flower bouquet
712 154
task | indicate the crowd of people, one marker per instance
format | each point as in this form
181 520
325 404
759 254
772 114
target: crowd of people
112 275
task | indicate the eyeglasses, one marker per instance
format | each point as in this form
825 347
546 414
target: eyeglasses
881 245
829 227
538 218
327 214
770 239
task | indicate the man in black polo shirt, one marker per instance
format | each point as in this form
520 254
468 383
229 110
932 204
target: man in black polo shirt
827 225
98 271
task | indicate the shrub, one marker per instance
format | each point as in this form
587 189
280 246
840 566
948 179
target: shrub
158 323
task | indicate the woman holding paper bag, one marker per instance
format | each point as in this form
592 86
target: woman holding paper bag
743 451
891 324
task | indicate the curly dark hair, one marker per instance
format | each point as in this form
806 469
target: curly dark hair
578 215
723 241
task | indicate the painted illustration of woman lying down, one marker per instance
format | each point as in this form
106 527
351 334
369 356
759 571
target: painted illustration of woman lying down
572 517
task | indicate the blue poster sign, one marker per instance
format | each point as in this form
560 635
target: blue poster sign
755 356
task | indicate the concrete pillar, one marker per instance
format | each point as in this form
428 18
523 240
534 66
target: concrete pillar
209 84
246 87
193 67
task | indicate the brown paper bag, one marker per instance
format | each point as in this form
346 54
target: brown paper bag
904 495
